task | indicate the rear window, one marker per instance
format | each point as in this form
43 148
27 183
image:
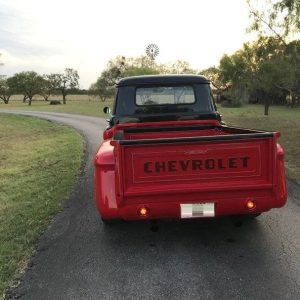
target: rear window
166 95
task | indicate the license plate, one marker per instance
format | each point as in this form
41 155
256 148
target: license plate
197 210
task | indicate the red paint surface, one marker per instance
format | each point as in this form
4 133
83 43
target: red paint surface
163 176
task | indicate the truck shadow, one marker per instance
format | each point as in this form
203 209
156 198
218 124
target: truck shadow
222 236
204 232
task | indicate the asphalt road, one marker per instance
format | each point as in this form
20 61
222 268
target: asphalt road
78 258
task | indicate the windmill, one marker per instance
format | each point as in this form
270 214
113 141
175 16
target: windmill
152 51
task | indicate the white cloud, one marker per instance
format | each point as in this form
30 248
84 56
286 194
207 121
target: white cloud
48 36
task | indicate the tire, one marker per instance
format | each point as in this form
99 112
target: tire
109 222
253 216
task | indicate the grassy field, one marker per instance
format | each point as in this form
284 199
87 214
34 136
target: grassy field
39 163
76 104
281 118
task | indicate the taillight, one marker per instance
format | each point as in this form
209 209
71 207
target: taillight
250 204
143 211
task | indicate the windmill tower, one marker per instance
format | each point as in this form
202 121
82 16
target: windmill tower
152 51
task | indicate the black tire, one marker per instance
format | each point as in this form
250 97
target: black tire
109 222
254 216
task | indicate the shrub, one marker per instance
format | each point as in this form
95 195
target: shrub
54 102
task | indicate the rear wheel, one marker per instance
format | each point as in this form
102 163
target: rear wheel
253 216
109 222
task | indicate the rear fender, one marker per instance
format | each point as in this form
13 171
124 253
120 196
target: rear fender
104 180
281 183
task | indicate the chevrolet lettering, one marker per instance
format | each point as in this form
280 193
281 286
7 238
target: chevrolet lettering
195 164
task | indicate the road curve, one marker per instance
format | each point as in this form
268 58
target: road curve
78 258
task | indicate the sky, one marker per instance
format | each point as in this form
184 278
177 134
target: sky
48 36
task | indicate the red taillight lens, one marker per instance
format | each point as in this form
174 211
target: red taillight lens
250 204
143 211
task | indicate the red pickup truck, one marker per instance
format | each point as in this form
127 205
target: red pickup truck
167 154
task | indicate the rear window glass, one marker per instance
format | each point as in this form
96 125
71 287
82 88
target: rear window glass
166 95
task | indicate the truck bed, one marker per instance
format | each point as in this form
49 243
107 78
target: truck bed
196 158
175 133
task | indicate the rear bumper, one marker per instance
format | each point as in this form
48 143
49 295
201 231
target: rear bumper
172 210
233 202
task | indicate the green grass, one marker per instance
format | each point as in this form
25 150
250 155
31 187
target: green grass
77 104
39 163
283 119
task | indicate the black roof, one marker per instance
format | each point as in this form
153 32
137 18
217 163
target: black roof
162 79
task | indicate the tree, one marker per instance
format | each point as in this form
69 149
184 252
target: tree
234 76
118 68
51 85
5 89
177 67
289 10
213 74
115 70
142 62
282 20
219 85
289 66
136 71
264 57
27 83
121 66
65 82
102 89
256 69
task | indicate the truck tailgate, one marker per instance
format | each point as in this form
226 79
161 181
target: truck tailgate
195 165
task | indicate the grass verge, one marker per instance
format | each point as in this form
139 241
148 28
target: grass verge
39 163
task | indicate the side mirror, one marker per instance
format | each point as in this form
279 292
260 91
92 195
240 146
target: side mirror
106 110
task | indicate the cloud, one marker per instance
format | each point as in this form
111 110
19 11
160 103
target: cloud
17 34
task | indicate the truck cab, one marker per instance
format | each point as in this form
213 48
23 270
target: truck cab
166 154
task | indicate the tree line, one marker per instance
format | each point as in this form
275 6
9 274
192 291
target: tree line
265 71
30 84
121 66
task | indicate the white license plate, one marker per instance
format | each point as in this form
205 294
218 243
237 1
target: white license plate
197 210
